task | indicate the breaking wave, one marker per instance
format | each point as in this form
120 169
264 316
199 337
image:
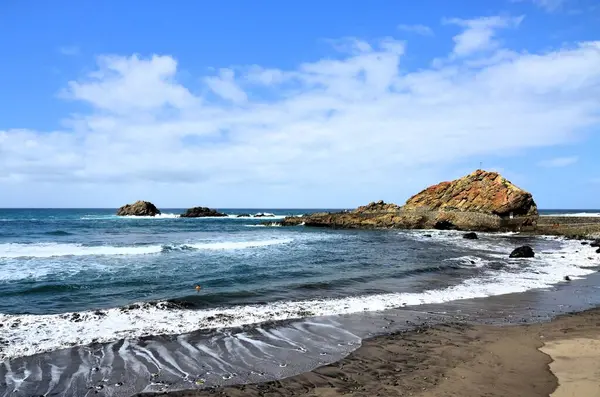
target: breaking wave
29 334
49 250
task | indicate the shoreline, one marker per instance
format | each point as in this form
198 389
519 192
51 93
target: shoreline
451 359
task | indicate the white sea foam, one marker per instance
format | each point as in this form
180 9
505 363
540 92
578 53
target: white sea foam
30 334
128 217
266 217
578 214
469 261
159 216
260 215
49 250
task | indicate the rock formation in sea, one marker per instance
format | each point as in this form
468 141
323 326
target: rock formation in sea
523 252
139 208
201 212
481 201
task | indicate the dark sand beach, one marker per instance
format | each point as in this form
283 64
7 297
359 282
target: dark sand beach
557 358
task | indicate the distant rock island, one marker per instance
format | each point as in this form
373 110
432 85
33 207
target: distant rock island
201 212
139 208
481 201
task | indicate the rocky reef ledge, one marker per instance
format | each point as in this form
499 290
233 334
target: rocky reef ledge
201 212
481 201
139 208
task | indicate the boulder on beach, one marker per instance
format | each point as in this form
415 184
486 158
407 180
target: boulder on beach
523 252
139 208
201 212
481 201
470 236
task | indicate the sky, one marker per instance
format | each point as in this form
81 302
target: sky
312 104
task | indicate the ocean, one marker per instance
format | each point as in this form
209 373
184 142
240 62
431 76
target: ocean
95 303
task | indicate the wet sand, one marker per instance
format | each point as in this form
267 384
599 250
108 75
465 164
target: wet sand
456 360
577 366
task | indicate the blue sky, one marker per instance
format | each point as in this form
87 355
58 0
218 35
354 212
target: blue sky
310 104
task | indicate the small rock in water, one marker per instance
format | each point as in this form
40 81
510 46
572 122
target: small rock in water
595 243
470 236
567 278
427 235
598 251
523 252
584 243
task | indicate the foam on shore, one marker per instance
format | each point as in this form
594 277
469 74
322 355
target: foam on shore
30 334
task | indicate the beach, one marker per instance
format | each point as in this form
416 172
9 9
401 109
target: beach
557 358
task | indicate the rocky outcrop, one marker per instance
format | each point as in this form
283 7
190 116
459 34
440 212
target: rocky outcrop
201 212
480 192
482 201
379 207
139 208
523 252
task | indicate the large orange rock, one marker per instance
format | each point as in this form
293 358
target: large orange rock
483 201
481 192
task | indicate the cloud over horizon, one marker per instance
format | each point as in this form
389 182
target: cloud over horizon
328 125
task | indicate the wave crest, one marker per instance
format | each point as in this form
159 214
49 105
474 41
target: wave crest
49 250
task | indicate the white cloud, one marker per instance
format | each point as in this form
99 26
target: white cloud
225 86
126 84
547 5
418 29
479 33
69 50
336 131
559 162
550 5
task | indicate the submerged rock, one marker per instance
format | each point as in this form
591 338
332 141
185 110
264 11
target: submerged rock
264 215
139 208
201 212
470 236
523 252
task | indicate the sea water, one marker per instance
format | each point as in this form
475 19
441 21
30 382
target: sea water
84 292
